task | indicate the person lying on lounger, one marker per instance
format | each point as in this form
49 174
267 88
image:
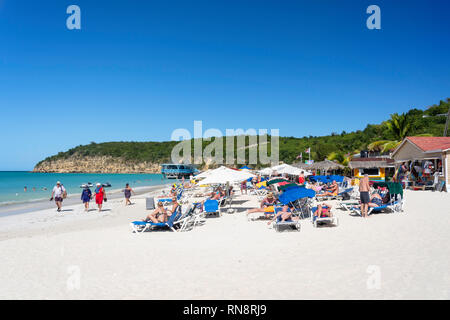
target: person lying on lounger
267 205
375 201
283 215
331 191
323 210
159 215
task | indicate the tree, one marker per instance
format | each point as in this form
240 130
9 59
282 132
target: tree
399 126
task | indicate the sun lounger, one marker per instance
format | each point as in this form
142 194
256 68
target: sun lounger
187 220
142 226
394 206
339 196
168 200
322 220
211 208
287 224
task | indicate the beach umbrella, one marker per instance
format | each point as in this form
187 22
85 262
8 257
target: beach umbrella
294 194
266 171
287 185
223 175
245 167
290 170
204 174
277 180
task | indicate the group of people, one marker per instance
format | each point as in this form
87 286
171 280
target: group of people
59 193
269 203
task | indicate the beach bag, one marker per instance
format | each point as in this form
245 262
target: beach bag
64 195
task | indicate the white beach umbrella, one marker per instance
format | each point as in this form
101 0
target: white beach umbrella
204 174
266 171
223 175
290 170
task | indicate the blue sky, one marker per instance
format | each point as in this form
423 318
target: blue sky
137 70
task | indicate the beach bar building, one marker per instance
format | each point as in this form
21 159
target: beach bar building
377 168
417 151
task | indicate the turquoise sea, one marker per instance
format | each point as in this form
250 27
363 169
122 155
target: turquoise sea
40 185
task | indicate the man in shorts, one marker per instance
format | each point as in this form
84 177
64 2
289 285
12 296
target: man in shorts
364 188
57 194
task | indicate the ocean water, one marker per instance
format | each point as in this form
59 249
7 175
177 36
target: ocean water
40 185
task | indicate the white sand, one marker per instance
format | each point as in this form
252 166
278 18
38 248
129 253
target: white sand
44 254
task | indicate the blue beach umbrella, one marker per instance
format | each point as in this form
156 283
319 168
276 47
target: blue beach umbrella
296 193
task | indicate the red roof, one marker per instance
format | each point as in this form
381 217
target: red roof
431 143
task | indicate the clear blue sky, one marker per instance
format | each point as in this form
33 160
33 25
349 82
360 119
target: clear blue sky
139 69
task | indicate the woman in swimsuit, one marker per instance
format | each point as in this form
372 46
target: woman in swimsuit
157 216
323 210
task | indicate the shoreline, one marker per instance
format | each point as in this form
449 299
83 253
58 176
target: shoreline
8 209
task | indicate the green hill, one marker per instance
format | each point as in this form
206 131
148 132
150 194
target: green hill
341 144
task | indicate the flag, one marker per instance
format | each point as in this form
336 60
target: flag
308 150
299 156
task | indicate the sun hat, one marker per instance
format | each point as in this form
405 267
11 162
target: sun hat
58 182
98 184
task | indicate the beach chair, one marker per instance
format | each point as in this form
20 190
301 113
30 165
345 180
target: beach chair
434 185
211 208
289 224
186 220
316 221
141 226
392 206
347 205
198 216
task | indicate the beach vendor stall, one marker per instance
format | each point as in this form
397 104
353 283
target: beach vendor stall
423 163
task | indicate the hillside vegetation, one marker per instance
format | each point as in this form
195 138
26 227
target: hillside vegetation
337 146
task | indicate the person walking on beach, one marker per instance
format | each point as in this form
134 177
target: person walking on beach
364 188
100 195
127 191
86 196
58 193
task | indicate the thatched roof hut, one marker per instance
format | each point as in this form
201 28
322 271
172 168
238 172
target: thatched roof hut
367 163
326 165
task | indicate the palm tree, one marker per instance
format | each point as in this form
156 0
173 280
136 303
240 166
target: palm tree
399 126
340 157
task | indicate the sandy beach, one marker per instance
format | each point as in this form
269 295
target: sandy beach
96 256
